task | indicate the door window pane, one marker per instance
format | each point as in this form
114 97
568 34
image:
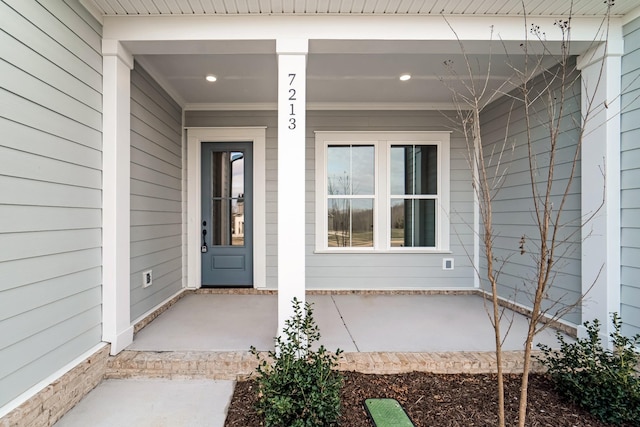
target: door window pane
413 223
414 169
227 198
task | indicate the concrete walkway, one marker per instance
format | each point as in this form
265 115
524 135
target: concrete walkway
180 369
152 403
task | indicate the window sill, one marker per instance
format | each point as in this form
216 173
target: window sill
383 251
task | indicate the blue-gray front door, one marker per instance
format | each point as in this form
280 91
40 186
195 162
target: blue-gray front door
227 222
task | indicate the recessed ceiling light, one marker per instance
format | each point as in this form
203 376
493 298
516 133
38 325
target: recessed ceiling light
211 78
405 77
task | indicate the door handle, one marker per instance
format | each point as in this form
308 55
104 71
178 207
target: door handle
204 247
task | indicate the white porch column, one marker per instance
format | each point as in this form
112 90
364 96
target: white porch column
292 60
116 79
600 163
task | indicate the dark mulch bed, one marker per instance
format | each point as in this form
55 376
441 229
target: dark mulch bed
433 400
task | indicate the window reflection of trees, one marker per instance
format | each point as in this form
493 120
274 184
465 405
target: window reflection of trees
350 220
414 178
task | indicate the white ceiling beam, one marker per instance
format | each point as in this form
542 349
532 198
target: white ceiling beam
162 28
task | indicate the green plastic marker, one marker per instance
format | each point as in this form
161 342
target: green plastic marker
387 413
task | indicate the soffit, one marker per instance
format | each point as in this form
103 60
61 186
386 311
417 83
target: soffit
400 7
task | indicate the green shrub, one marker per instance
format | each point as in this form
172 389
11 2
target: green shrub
300 387
602 381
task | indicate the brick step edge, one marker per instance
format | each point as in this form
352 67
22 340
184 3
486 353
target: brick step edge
240 365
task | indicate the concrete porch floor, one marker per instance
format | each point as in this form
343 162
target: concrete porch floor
190 355
352 322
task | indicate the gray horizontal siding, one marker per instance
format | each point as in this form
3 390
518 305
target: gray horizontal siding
50 189
630 181
514 215
156 193
362 271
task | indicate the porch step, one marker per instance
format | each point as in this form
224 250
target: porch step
235 365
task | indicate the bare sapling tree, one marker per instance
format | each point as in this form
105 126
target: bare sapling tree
544 84
339 211
469 102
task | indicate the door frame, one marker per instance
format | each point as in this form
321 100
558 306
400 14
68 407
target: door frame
195 137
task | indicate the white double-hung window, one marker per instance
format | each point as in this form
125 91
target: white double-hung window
382 191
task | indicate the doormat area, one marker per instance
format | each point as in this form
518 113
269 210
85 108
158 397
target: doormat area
387 413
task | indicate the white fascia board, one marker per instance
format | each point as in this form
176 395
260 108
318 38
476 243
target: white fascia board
333 27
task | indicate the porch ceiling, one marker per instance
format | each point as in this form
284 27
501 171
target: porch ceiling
350 77
358 71
419 7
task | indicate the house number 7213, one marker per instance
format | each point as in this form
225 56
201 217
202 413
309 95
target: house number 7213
292 102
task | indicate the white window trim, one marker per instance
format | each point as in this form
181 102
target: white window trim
382 142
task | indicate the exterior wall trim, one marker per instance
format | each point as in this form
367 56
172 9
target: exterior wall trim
600 163
442 138
195 136
116 195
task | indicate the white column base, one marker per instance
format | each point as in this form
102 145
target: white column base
121 341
